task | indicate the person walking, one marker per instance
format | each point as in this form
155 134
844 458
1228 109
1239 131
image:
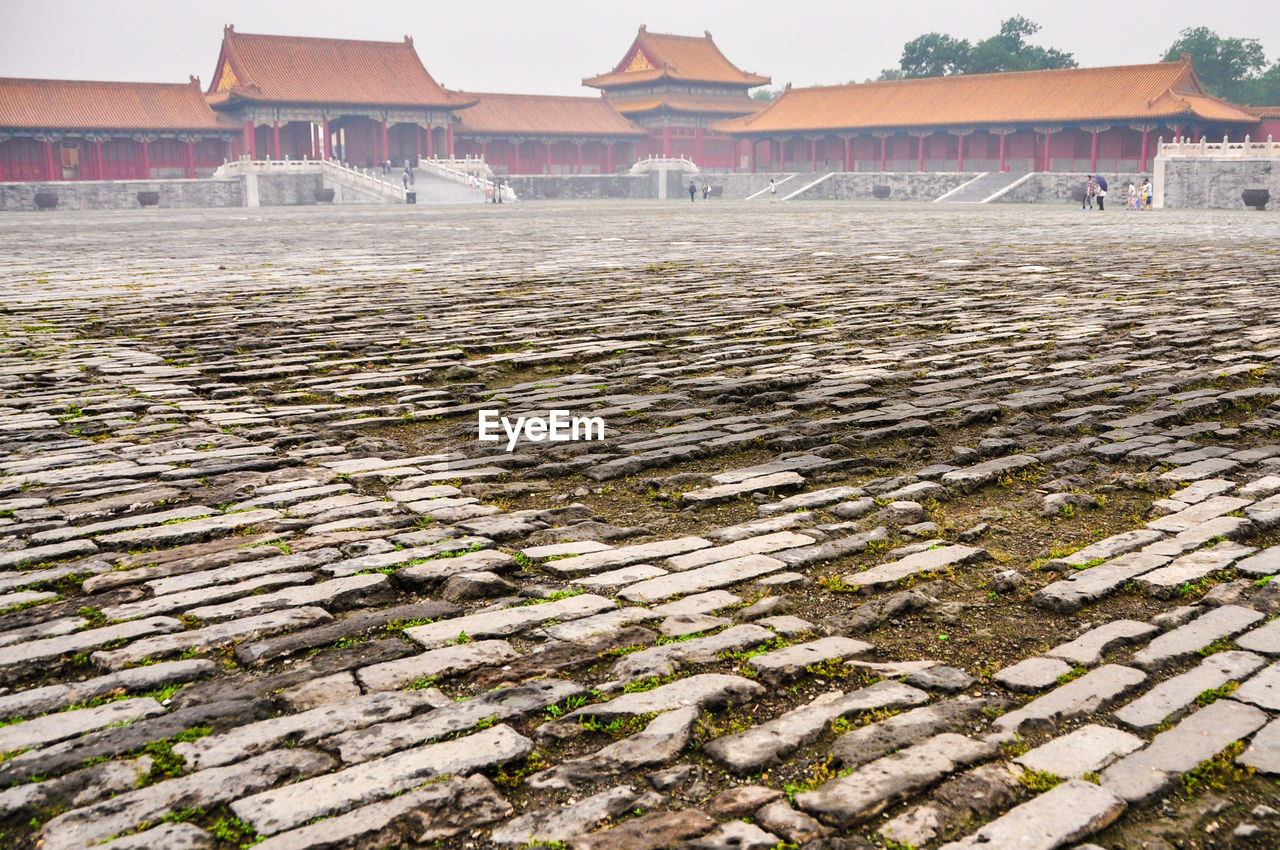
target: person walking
1144 193
693 191
773 191
1132 199
1090 189
706 190
1102 192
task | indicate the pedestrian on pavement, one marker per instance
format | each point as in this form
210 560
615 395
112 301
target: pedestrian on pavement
773 191
1144 193
1090 189
706 190
693 191
1132 200
1102 191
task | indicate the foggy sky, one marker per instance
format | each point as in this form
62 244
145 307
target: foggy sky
548 46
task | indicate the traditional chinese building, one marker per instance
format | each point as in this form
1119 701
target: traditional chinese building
360 101
78 130
677 87
1078 119
540 134
1268 122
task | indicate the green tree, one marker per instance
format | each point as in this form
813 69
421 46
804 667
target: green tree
1008 50
766 94
1228 67
936 54
1263 90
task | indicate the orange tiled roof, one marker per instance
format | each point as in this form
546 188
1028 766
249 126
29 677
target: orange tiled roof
696 103
1263 111
90 105
657 56
289 69
1159 91
544 115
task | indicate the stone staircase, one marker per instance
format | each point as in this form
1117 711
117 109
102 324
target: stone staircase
980 189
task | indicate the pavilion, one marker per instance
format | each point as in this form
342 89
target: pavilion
82 130
359 101
1077 119
542 134
677 88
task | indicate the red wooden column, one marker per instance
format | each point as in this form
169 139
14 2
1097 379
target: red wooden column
515 146
697 145
960 153
920 158
417 141
666 141
1093 151
188 155
431 132
386 149
328 152
1003 133
608 157
484 149
813 155
848 153
1 169
1143 162
884 152
275 139
752 153
782 154
548 144
99 175
146 160
48 162
448 138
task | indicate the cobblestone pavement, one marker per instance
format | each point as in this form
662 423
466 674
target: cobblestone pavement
912 527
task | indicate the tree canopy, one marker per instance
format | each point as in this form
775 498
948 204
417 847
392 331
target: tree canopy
1231 68
936 54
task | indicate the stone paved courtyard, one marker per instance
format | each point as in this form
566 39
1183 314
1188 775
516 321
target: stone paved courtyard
912 527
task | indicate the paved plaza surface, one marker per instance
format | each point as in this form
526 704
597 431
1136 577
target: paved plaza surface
912 527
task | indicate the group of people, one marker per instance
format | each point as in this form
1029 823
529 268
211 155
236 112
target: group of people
1137 197
693 190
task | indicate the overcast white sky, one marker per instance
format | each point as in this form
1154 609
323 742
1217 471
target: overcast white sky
548 46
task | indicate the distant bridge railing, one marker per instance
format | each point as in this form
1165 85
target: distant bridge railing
665 163
472 172
1205 149
340 172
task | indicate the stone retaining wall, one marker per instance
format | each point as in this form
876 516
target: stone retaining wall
854 186
123 194
567 187
1062 188
274 190
1215 183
